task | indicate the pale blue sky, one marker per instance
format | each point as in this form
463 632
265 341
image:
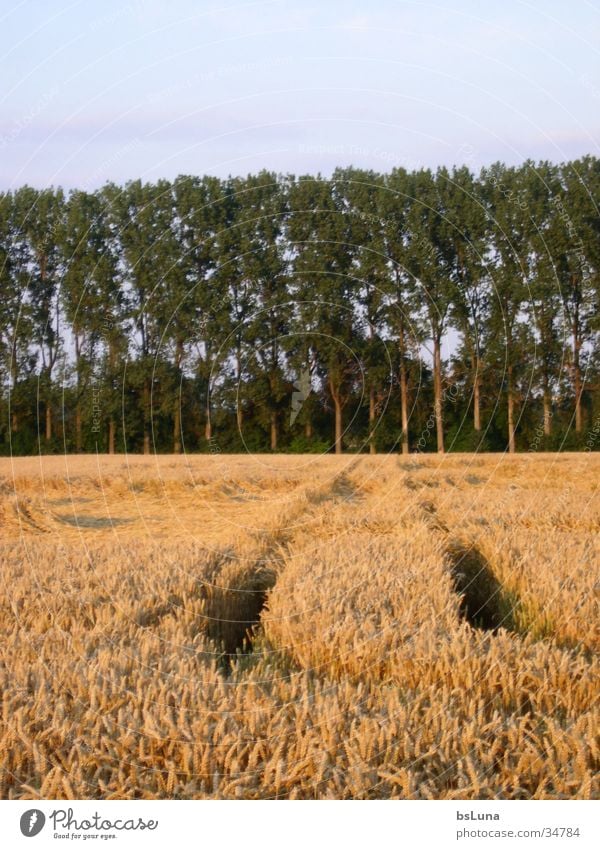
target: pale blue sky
93 91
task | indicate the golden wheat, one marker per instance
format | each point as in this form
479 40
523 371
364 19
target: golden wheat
294 627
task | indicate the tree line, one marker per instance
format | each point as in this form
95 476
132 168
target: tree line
416 311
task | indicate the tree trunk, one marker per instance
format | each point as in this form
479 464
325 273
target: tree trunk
208 419
476 398
308 429
177 410
511 411
177 428
48 421
78 434
403 373
112 428
372 445
337 404
14 419
547 412
338 425
273 430
404 405
239 413
577 378
146 403
437 391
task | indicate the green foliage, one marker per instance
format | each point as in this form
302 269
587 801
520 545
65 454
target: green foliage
243 314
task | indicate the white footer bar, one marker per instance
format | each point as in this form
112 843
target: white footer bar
306 824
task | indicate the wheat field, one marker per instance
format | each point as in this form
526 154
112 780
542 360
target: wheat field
255 627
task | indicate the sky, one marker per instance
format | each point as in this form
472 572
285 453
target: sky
126 89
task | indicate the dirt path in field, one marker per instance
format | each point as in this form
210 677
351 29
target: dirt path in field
485 604
236 600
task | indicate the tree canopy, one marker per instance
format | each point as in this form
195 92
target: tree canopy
424 311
